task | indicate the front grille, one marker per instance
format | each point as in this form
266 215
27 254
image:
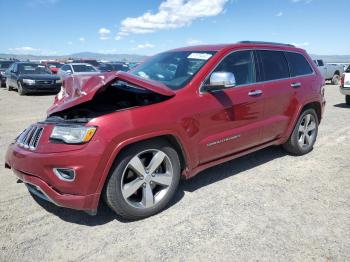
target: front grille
44 82
29 139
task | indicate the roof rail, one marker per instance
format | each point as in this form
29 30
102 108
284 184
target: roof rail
264 43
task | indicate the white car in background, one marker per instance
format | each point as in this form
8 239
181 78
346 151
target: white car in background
77 69
345 85
330 71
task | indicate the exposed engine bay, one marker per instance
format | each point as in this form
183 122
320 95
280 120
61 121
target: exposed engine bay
119 95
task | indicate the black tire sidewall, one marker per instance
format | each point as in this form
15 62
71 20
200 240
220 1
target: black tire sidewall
347 100
113 193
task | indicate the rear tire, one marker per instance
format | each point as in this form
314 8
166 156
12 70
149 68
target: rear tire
304 134
347 100
137 188
335 79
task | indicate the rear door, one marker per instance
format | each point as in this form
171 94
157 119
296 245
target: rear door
278 93
230 120
287 75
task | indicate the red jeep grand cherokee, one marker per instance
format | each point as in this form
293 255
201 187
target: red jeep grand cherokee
130 136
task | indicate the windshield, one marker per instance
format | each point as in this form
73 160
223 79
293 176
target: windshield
174 69
84 68
33 69
5 64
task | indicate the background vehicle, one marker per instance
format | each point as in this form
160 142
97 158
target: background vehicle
4 65
330 71
28 77
109 67
130 136
53 66
92 62
77 69
345 85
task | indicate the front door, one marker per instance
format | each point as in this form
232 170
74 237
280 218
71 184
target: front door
230 120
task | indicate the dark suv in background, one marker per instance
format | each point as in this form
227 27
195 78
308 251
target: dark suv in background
29 77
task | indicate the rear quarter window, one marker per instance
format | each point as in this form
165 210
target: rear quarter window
274 64
298 65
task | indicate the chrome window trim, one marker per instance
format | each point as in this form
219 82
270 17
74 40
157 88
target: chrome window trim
261 82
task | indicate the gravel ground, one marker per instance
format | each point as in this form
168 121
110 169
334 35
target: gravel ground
266 206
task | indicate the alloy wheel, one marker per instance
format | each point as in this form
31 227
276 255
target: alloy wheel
307 131
147 178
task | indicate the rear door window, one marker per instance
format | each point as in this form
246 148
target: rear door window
320 63
298 65
274 64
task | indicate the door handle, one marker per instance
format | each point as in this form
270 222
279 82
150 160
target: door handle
295 85
255 93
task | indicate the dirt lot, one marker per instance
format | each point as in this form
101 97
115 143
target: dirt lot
264 206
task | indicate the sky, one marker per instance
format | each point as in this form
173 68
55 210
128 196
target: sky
61 27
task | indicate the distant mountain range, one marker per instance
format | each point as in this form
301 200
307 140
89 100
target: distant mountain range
88 55
140 58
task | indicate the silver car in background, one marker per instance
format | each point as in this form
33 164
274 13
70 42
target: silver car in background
77 69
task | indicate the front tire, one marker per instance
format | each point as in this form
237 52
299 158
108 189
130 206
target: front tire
21 92
8 87
143 180
304 134
347 100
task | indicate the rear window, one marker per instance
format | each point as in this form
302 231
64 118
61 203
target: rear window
274 65
298 65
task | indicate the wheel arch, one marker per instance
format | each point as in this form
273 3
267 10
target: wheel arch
316 105
313 105
170 138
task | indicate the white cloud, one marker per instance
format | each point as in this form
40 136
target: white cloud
42 2
118 37
144 46
69 43
301 44
171 14
279 13
24 49
82 39
31 50
194 42
302 1
104 33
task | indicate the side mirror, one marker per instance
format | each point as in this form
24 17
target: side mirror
219 81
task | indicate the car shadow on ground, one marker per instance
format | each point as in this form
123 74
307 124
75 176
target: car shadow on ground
203 179
342 105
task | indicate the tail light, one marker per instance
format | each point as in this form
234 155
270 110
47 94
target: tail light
342 79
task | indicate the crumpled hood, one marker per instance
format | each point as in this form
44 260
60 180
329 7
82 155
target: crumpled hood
81 88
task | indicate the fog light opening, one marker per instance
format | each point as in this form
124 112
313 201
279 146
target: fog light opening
66 174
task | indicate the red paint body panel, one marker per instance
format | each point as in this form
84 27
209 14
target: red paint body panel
210 127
